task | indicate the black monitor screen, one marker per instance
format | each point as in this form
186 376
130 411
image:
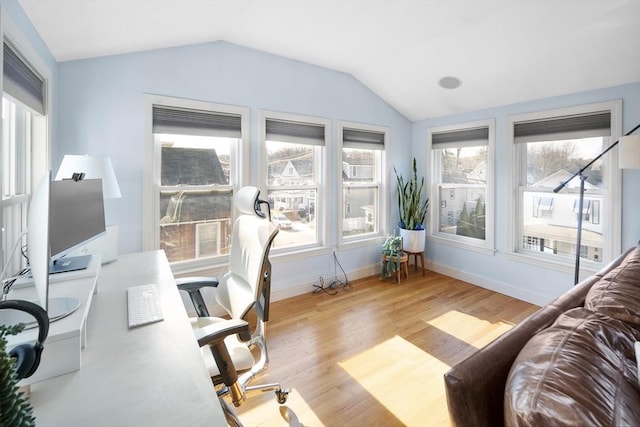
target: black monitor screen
76 214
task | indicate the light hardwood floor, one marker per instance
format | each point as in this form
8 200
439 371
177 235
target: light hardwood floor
375 355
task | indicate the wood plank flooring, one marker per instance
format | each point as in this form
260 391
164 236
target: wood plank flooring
375 355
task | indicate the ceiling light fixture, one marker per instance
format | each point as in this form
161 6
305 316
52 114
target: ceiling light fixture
449 82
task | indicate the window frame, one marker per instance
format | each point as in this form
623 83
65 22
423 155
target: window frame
486 246
611 192
381 182
152 174
321 184
36 156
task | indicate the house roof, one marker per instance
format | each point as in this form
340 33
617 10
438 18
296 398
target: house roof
561 176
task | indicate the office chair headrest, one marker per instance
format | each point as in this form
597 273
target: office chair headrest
247 201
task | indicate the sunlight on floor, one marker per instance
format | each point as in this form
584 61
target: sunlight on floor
378 371
263 410
470 329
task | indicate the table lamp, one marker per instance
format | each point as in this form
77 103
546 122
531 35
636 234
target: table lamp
93 167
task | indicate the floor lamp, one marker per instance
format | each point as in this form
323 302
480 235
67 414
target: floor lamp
629 159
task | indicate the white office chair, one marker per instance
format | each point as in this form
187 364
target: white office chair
226 343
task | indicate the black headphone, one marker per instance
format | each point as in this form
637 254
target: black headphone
28 355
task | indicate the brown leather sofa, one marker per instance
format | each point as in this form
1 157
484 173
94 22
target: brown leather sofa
570 363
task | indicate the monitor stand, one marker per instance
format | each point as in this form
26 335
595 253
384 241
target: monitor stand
59 307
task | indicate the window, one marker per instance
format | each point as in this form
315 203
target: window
462 184
24 145
549 149
361 176
196 155
295 147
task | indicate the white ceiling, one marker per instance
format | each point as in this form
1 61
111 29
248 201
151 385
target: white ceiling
504 51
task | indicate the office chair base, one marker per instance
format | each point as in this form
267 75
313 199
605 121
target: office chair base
282 395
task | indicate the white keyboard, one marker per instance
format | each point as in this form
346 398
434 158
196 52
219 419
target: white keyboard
143 304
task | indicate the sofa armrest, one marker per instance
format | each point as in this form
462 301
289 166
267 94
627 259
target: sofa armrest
475 386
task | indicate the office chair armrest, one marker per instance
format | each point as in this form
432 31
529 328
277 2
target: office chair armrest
192 285
195 283
217 332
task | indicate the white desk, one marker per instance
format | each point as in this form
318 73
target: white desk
153 375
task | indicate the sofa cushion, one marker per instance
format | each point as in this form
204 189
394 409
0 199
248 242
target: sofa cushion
617 293
579 371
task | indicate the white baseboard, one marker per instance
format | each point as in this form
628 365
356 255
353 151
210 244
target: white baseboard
492 285
279 293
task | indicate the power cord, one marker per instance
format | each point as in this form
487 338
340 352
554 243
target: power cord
336 283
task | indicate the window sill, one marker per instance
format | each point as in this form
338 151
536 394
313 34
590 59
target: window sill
564 265
480 247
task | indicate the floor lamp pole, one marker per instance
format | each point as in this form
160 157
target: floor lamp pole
581 199
579 230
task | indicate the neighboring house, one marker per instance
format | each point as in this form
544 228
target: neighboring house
550 219
195 224
464 195
358 208
291 172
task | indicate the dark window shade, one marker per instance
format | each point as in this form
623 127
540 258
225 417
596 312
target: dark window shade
567 127
295 132
460 138
183 121
363 139
21 81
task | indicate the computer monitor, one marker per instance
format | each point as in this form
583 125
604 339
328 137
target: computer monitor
76 215
38 251
38 238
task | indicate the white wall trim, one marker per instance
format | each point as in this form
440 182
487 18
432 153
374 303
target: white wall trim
486 246
150 178
278 294
382 181
492 285
324 183
613 191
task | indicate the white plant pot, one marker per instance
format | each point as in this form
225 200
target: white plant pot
412 240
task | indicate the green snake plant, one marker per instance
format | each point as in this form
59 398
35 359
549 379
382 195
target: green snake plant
412 208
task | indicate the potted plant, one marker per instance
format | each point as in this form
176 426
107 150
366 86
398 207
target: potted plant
412 209
391 251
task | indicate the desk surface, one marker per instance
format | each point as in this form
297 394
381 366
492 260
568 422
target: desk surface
152 375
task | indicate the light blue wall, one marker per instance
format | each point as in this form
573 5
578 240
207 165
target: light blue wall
12 10
97 109
496 271
101 113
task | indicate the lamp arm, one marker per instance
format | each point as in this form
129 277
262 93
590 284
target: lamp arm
561 186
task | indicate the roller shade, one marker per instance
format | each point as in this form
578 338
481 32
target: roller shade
363 139
183 121
295 132
567 127
460 138
21 81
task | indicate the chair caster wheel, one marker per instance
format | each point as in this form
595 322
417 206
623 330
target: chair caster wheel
282 395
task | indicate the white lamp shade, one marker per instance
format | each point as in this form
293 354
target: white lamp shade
630 152
93 168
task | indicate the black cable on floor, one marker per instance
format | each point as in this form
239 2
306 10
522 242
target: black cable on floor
336 283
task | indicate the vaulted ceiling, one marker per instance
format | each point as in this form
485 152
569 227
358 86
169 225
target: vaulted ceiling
502 51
